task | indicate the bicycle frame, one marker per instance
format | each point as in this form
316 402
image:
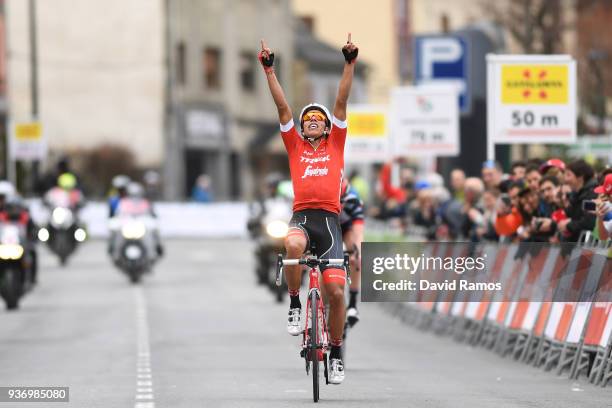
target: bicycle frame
321 340
314 345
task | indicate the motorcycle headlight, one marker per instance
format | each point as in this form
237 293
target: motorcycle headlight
133 230
61 216
11 251
80 235
277 229
43 235
133 252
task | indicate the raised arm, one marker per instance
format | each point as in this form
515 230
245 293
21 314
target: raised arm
350 55
266 57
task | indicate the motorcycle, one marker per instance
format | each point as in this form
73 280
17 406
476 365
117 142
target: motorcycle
269 230
133 244
62 232
16 275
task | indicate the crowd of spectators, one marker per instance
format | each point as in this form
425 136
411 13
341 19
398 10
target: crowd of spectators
538 201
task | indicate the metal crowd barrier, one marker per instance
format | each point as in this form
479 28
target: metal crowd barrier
555 310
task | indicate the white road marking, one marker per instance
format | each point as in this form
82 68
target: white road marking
144 382
144 405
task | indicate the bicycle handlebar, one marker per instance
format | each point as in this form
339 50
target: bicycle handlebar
312 261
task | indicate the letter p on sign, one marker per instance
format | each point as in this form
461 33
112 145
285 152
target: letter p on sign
436 50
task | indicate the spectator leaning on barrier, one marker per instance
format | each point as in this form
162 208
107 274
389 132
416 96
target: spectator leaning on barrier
517 170
509 218
492 174
424 210
513 192
489 204
544 224
393 198
457 182
553 167
473 217
604 207
532 217
579 177
533 177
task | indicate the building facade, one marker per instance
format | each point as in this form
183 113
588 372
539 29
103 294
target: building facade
100 73
222 113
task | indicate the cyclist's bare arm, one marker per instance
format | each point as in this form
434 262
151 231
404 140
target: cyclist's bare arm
346 82
284 111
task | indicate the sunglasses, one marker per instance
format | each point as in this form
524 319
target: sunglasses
318 116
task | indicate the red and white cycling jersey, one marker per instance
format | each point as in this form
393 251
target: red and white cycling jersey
316 174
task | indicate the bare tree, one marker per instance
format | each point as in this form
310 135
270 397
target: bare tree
537 26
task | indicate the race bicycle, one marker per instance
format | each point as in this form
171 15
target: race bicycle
315 341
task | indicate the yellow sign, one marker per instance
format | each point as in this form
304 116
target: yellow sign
534 84
28 131
367 124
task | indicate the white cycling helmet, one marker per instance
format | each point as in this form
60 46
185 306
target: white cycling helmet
7 189
135 190
320 108
120 181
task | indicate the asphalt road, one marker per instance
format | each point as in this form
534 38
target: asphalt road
200 333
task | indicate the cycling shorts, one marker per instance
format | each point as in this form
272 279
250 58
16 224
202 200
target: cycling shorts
323 234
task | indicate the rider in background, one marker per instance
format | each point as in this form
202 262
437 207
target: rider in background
14 209
136 204
65 193
119 191
316 162
351 223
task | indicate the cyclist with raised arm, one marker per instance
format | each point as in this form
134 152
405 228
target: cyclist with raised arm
316 162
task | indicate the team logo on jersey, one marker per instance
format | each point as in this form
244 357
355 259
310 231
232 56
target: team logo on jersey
315 172
314 160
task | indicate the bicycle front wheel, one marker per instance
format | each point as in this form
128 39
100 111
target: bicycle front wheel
314 342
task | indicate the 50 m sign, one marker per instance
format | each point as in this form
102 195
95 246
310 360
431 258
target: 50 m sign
531 99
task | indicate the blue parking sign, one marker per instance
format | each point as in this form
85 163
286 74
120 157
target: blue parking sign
440 59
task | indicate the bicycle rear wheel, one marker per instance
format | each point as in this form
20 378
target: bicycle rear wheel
314 342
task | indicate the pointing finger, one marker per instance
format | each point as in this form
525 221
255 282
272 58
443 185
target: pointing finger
349 38
263 44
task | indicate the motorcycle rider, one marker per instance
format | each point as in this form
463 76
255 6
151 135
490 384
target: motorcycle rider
65 193
119 186
12 208
135 202
316 159
257 209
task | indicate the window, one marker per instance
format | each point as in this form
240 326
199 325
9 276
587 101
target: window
181 63
247 71
211 62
